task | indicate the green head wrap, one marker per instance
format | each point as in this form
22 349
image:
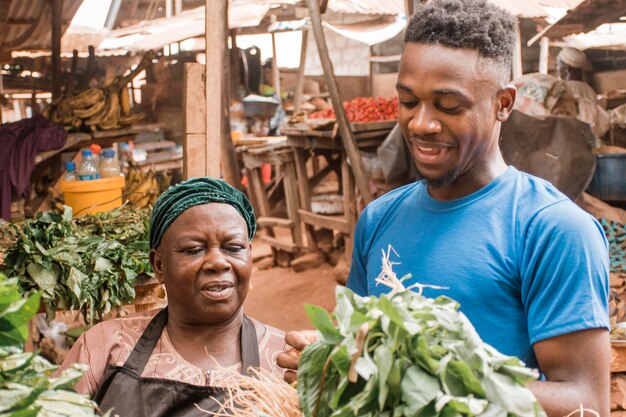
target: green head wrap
194 192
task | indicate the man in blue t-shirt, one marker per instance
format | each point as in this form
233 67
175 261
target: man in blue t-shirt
528 267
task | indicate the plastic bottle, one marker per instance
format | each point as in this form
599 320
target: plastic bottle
70 171
109 166
88 170
95 151
123 154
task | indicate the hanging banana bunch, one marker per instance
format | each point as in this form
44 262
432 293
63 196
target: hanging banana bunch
97 108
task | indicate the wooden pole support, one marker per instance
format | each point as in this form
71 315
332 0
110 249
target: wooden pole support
544 55
275 69
517 53
215 36
300 82
230 167
347 137
57 18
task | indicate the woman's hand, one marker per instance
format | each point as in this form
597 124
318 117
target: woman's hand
296 341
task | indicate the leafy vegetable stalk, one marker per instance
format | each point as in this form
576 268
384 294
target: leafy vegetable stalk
27 387
89 264
403 354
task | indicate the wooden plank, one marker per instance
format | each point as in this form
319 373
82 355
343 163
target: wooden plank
73 139
275 69
193 98
305 193
279 244
408 8
215 37
274 221
57 21
347 137
100 134
194 155
326 222
372 126
291 199
194 106
230 166
349 206
300 80
544 55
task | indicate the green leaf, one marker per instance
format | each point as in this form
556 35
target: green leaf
418 389
504 391
43 277
383 356
310 374
322 322
461 380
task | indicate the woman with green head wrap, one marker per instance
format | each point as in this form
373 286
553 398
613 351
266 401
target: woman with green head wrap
169 362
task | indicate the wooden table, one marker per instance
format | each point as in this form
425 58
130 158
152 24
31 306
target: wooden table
278 154
328 143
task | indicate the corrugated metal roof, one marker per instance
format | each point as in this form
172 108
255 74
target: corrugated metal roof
27 25
391 7
587 16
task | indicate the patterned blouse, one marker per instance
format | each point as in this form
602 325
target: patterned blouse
110 343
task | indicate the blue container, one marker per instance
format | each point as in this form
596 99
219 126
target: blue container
609 179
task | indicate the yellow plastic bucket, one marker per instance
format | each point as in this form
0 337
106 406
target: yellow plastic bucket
94 196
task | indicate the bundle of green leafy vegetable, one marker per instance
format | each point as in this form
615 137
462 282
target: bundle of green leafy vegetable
89 264
403 354
26 386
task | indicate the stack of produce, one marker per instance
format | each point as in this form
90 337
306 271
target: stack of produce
363 110
398 355
143 188
27 387
99 108
88 264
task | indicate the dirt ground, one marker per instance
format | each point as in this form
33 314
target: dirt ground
279 294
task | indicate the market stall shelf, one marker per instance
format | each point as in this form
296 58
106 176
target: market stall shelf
277 154
305 143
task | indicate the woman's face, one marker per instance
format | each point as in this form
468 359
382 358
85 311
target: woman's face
204 260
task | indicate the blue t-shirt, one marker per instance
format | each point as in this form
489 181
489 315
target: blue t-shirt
524 262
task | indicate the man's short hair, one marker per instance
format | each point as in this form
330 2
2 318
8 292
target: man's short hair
467 24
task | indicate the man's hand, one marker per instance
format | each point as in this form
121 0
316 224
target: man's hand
576 366
296 341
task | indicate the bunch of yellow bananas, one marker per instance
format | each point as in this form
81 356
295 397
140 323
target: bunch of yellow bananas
142 189
95 108
99 108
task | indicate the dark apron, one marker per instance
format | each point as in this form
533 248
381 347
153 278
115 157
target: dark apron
130 395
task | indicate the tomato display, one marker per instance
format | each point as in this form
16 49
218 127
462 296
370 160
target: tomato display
363 109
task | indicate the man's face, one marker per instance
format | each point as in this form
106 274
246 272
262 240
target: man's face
450 106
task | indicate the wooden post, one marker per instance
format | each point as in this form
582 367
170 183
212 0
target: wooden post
544 55
194 122
517 53
408 9
300 82
230 167
57 18
235 70
215 36
347 137
275 69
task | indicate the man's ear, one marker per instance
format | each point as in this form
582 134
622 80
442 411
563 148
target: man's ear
157 264
506 100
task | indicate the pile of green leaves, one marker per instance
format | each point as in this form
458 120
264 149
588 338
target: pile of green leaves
407 355
27 387
89 264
